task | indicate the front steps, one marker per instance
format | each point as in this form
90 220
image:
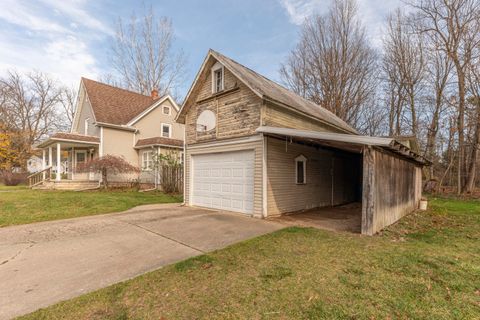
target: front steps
66 185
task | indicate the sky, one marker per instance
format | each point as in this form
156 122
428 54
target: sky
68 39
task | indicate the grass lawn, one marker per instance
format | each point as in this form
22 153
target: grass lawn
27 206
425 267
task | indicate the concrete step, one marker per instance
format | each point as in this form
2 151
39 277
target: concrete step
67 185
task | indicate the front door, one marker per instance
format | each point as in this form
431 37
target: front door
80 157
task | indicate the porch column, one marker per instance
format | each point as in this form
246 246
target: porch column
72 164
59 155
50 160
44 165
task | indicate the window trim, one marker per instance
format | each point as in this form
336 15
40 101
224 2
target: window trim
218 67
169 110
169 130
301 158
148 160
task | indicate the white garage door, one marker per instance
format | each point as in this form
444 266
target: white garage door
223 180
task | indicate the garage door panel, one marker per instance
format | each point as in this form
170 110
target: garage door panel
224 180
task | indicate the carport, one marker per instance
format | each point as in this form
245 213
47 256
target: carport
381 175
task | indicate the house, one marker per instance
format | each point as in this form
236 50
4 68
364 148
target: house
254 147
114 121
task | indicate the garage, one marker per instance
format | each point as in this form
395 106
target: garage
224 180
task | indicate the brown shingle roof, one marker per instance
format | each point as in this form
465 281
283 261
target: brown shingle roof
114 105
159 141
74 136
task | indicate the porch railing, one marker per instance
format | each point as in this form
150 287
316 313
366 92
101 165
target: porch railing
40 176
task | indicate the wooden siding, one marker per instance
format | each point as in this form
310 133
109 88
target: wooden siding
332 177
275 116
237 110
392 189
257 146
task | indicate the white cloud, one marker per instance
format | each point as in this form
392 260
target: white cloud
299 10
54 37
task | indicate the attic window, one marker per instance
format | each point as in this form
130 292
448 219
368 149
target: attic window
301 170
217 78
166 110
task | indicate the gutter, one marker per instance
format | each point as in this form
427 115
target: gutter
116 126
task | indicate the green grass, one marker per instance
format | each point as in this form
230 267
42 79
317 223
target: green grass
27 206
12 188
427 266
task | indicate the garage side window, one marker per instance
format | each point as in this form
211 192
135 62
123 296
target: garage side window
300 169
147 160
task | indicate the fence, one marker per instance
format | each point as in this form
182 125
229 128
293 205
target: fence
171 179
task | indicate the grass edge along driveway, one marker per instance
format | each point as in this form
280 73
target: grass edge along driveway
424 267
28 206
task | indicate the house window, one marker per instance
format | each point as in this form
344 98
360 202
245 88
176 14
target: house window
300 170
166 110
217 78
86 126
166 130
147 160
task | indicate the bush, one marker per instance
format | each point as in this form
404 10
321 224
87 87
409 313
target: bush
12 178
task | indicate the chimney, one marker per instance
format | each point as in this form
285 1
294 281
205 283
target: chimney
154 94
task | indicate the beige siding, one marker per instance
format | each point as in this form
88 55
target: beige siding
257 146
86 112
332 178
119 143
237 111
276 116
150 125
149 176
396 190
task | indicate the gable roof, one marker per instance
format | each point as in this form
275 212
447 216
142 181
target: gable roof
115 105
272 91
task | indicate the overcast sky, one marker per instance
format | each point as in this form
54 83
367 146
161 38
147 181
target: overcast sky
71 38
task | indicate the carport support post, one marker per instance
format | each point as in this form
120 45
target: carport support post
59 155
368 191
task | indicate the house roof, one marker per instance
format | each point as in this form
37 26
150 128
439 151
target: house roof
158 141
349 142
272 91
70 137
115 105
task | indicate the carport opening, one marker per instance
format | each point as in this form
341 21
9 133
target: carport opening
335 176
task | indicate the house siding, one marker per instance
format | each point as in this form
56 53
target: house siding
86 112
119 143
276 116
150 125
237 145
332 177
237 111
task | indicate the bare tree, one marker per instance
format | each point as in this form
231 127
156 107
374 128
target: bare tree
333 64
404 66
453 25
143 55
29 108
67 108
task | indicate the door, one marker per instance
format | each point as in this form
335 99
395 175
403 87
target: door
224 180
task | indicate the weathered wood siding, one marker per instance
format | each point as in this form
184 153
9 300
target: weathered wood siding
332 177
275 116
392 189
237 110
235 145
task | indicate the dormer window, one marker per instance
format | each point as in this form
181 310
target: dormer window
217 78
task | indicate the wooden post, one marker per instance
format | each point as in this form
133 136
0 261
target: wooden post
44 165
368 191
59 159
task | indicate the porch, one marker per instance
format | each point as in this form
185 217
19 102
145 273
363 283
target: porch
62 155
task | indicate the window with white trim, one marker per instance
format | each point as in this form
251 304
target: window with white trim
166 110
147 160
166 130
217 78
86 126
300 169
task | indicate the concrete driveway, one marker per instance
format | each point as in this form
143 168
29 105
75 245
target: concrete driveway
48 262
